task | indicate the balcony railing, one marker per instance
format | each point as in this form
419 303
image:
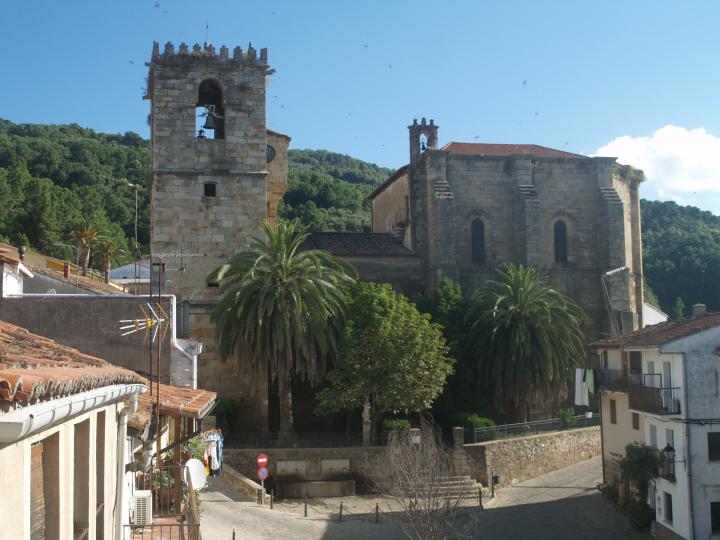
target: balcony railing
654 400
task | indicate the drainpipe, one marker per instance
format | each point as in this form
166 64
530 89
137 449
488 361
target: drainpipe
120 466
688 461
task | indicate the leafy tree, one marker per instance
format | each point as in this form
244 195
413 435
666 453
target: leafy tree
281 309
526 337
86 236
392 358
107 252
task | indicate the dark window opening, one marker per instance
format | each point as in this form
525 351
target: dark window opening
213 285
477 234
635 420
613 412
714 446
560 231
423 142
209 111
210 189
668 507
715 516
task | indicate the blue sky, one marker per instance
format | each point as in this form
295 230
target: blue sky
639 79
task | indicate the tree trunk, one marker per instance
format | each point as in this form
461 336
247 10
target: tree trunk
286 411
108 266
84 259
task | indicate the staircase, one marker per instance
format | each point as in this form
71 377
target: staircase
462 487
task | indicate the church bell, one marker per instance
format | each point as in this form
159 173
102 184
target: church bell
209 121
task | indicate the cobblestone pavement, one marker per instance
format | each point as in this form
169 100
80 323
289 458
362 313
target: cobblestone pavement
563 504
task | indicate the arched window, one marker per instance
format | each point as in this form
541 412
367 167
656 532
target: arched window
560 234
209 111
477 240
423 142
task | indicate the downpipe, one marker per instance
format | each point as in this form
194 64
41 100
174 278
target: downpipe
688 460
120 465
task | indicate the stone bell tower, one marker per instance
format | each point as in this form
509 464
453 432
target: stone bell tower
212 188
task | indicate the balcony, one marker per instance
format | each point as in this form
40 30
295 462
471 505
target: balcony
653 400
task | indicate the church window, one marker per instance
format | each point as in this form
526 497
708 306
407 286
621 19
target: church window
477 239
209 111
560 231
210 189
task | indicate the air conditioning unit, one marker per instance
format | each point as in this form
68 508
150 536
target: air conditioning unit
142 507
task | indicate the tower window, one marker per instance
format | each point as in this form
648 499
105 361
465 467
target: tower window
560 233
209 111
423 141
210 189
477 240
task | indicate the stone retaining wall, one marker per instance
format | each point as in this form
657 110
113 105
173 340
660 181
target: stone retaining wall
527 457
365 463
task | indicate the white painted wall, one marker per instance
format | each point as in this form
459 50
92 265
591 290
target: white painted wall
12 280
15 473
652 315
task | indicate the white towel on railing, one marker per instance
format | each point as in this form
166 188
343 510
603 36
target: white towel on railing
581 390
212 452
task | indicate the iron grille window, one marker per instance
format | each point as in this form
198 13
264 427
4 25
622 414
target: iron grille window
668 507
635 420
210 189
613 412
560 242
714 446
477 233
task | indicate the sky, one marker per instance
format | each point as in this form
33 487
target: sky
637 80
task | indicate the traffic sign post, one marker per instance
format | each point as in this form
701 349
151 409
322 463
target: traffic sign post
262 461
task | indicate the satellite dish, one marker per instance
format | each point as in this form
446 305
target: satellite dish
196 470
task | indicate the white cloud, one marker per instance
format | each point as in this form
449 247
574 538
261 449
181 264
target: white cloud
680 164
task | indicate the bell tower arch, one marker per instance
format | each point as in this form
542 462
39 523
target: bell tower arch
423 136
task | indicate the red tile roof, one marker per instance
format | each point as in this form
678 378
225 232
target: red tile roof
82 282
485 149
194 403
661 333
33 367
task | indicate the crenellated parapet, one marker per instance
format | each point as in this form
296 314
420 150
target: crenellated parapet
208 52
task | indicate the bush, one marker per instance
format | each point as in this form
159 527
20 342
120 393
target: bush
471 420
568 417
610 491
395 424
640 514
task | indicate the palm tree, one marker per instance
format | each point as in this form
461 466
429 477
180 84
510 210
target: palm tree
107 251
281 309
527 337
86 234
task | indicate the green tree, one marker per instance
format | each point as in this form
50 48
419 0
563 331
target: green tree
86 235
392 358
526 337
281 309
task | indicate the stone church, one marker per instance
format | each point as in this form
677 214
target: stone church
458 211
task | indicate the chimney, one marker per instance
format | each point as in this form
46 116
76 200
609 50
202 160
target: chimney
66 270
698 310
21 252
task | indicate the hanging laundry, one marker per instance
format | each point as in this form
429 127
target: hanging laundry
581 390
590 380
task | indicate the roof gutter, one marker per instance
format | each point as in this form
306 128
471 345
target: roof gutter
21 423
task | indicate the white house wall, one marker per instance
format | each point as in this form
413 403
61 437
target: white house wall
15 470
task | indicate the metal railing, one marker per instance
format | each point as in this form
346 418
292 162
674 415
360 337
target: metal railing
507 431
191 512
654 400
165 482
354 439
163 531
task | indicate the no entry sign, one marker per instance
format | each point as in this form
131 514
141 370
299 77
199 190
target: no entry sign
261 460
262 473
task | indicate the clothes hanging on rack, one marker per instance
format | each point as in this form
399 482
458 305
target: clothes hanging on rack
581 390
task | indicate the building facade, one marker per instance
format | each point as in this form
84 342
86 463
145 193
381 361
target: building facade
670 376
467 208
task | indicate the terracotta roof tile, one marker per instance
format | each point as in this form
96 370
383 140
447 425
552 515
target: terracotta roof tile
359 244
485 149
194 403
84 283
33 367
664 332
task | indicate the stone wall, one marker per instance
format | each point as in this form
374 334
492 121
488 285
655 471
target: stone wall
527 457
365 463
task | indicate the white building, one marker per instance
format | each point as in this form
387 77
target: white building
63 428
673 403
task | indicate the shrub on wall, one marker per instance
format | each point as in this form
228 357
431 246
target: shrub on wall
395 424
472 421
568 417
